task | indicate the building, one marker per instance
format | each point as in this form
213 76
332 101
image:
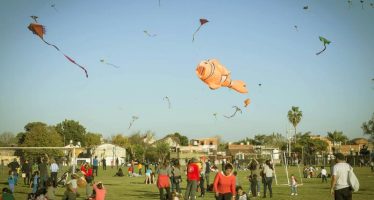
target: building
240 151
110 152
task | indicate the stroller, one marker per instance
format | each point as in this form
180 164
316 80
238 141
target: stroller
63 179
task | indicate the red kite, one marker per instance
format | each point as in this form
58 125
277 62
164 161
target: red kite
39 30
215 75
202 22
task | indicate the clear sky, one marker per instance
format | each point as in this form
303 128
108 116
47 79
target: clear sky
255 40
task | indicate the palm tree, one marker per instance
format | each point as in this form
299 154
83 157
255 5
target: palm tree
294 116
337 137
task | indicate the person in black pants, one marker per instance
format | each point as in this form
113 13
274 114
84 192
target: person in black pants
26 170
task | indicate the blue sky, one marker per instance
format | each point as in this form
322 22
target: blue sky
255 40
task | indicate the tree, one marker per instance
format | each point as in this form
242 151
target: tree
7 139
337 137
183 140
151 155
120 140
71 130
368 127
92 139
294 117
163 150
40 135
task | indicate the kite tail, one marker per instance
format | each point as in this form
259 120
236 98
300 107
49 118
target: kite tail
73 61
193 36
321 50
112 65
58 49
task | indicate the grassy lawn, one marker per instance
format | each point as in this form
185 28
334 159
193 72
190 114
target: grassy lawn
132 188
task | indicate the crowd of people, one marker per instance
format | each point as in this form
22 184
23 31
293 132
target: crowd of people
42 179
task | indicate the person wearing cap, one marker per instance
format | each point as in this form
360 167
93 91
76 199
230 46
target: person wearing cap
193 176
339 180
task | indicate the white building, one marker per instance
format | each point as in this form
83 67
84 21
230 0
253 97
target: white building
110 152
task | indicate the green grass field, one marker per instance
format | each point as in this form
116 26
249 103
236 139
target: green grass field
132 188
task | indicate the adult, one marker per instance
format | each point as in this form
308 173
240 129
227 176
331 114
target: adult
339 180
26 172
268 178
95 165
117 162
13 166
104 163
224 184
86 170
207 172
43 172
54 171
193 176
177 177
324 174
163 181
140 167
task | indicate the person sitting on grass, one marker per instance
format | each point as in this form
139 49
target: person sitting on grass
6 194
100 191
69 194
119 173
240 194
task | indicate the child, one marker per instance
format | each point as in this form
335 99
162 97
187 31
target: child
293 185
74 182
202 189
69 194
11 181
176 196
100 191
35 182
240 194
148 173
129 170
50 194
237 183
253 182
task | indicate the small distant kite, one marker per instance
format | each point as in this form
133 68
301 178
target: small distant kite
237 109
149 35
260 84
305 7
54 7
296 28
133 120
113 65
247 102
372 5
39 30
324 41
215 115
168 100
350 3
215 75
202 22
362 4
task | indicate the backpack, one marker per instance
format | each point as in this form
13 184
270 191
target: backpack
353 181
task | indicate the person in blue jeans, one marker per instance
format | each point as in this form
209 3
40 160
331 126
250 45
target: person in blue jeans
268 178
95 165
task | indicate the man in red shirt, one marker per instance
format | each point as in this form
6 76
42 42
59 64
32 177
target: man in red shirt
193 176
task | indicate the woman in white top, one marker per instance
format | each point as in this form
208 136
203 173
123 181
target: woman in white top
268 177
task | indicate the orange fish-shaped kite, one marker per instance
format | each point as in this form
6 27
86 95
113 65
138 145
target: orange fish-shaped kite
215 75
247 102
39 30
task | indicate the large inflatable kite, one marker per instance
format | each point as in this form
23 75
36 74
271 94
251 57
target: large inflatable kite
215 75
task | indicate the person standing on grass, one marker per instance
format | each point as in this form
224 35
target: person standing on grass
95 165
13 167
268 178
339 180
11 181
54 170
104 163
323 174
224 184
293 185
43 172
87 172
193 176
163 181
207 172
26 169
177 177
